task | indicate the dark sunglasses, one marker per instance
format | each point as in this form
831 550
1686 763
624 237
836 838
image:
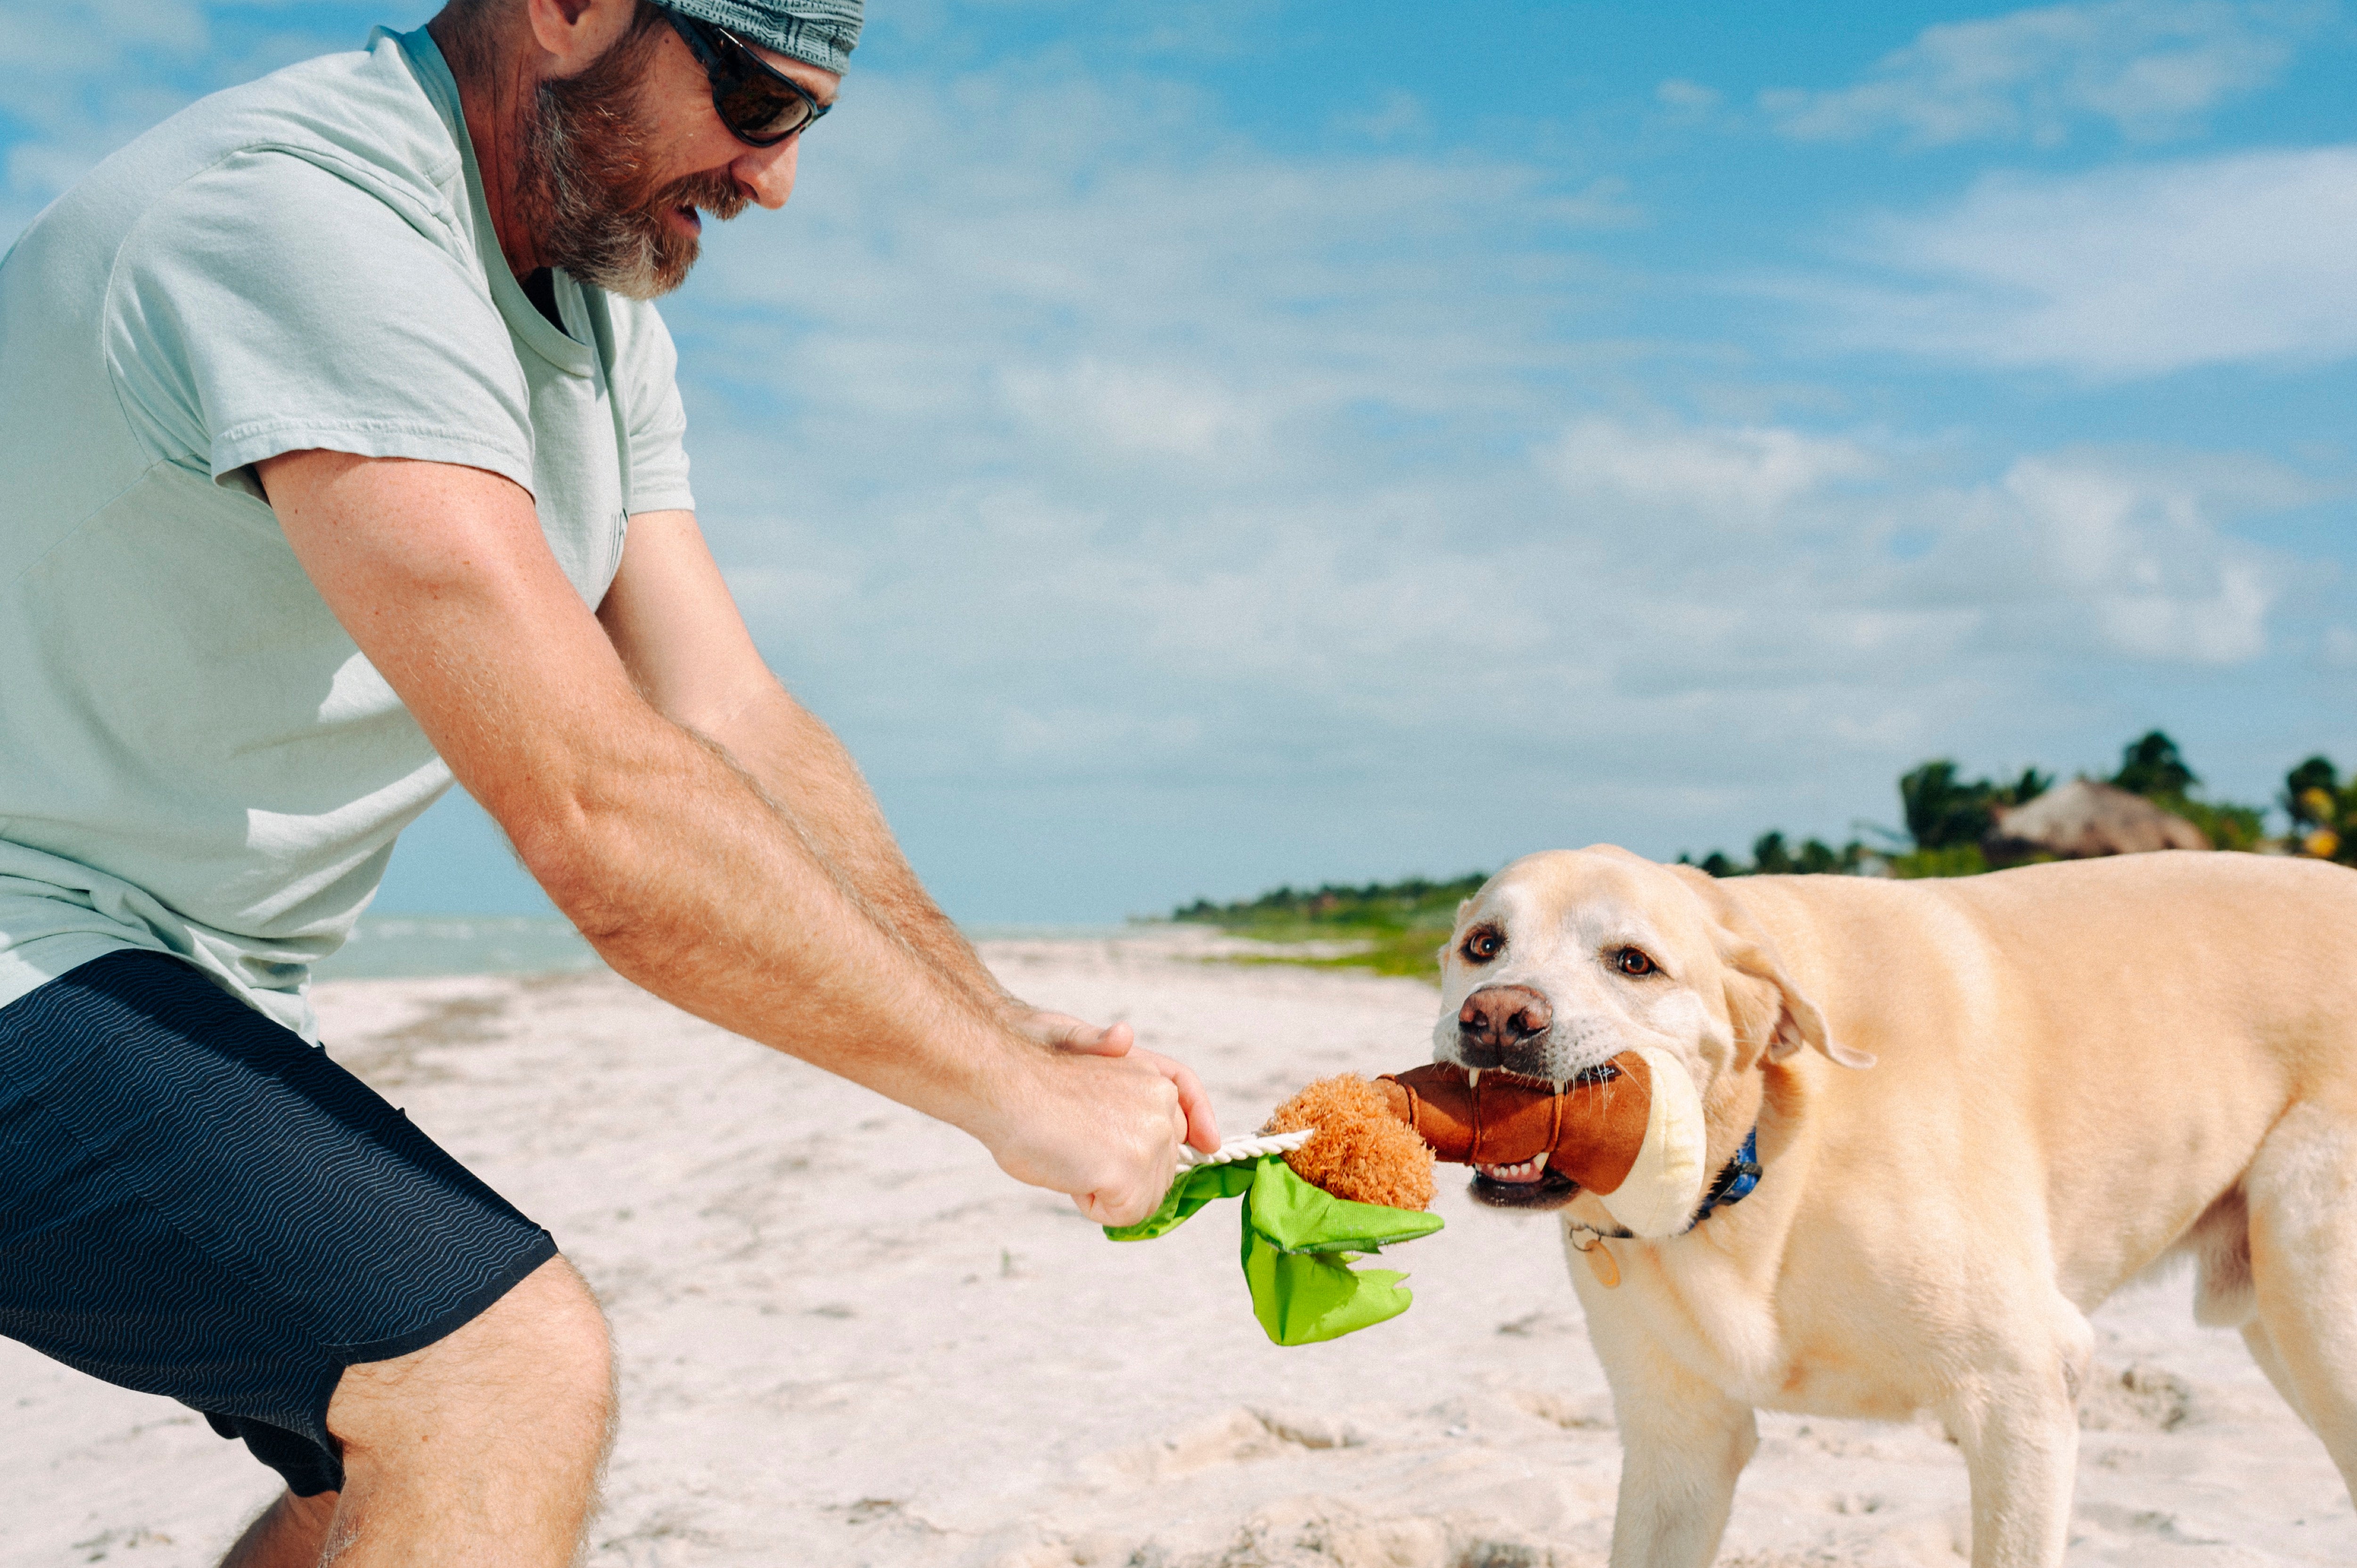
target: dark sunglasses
760 105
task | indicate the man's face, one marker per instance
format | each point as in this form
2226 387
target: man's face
623 160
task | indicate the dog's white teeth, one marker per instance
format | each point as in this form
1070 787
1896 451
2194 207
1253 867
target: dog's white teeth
1521 1171
1472 1077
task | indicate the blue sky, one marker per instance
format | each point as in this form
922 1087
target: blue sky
1191 446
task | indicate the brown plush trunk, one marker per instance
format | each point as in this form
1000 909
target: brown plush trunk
1590 1133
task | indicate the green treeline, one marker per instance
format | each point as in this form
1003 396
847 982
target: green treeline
1400 902
1394 927
1947 815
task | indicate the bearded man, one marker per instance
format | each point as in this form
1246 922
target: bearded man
344 458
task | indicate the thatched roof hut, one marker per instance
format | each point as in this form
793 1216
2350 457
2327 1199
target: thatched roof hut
2083 819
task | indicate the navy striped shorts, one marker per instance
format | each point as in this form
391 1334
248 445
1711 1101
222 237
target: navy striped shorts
194 1202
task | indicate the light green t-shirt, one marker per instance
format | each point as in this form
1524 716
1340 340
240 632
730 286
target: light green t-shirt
194 758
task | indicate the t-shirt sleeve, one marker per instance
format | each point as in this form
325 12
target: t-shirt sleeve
646 378
269 304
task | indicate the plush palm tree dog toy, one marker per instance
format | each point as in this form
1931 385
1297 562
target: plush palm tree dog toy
1629 1130
1344 1168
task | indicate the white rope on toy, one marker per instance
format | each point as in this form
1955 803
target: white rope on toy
1251 1148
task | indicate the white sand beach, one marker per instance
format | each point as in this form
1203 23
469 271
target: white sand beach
846 1340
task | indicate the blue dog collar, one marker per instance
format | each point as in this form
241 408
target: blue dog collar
1736 1179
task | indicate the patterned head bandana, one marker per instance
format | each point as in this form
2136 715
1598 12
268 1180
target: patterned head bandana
823 32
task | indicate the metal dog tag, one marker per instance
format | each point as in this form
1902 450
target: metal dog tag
1600 1262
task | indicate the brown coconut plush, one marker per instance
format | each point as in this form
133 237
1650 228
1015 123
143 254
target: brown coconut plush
1362 1151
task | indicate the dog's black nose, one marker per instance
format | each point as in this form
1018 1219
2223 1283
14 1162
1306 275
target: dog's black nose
1498 1024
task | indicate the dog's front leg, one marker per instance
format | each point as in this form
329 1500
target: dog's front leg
2020 1433
1682 1444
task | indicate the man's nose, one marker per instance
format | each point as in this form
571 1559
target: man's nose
768 172
1500 1025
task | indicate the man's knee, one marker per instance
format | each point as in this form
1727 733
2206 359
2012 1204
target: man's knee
292 1532
536 1367
551 1322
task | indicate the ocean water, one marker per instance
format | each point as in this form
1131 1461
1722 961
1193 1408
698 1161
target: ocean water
401 946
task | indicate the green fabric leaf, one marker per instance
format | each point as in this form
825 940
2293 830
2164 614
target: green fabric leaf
1191 1191
1301 1298
1301 1218
1298 1244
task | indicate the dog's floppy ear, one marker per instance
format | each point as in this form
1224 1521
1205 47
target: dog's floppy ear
1769 1006
1769 1010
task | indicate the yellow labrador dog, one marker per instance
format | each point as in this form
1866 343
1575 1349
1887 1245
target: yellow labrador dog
1980 1106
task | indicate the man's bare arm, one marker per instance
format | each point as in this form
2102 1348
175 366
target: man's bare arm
667 859
671 620
677 628
680 635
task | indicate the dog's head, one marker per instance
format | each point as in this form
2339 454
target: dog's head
1566 959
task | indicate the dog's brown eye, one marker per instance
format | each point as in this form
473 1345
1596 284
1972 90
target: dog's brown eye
1633 960
1483 944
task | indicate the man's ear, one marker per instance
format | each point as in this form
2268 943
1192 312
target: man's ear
573 34
1771 1014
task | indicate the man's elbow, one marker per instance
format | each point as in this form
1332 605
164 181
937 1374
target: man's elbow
591 845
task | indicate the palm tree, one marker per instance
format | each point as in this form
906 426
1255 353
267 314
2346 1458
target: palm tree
2151 765
2310 792
1943 810
2024 789
1819 858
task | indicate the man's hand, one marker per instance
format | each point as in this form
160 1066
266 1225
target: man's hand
1103 1127
1063 1032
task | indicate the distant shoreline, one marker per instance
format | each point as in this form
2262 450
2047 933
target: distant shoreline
423 947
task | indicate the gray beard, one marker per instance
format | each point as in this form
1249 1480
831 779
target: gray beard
583 188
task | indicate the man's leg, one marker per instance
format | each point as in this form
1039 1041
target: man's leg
484 1447
290 1533
194 1203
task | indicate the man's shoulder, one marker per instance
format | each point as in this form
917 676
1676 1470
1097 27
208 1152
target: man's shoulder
362 118
291 255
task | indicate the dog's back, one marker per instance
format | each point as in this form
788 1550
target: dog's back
2130 1028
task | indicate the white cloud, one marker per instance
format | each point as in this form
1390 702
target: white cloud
2079 554
1056 440
1401 114
77 81
39 44
2152 68
1738 475
1687 99
1113 240
2126 272
2142 555
1060 738
1137 410
1238 471
80 83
